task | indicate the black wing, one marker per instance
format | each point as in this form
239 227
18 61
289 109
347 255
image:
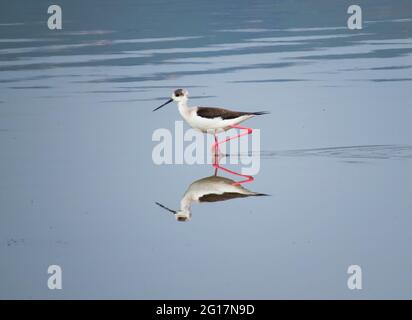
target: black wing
211 113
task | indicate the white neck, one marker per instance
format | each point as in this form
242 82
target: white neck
183 108
186 202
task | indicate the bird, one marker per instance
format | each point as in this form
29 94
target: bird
210 189
209 119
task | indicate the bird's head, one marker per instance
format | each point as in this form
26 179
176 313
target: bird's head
183 215
179 95
180 215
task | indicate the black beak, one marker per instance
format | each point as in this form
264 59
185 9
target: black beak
167 102
166 208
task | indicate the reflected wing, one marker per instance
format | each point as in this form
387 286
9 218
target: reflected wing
213 197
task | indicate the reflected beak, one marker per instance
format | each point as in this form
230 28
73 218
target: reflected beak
167 102
166 208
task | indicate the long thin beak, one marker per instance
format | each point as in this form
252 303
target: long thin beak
167 102
166 208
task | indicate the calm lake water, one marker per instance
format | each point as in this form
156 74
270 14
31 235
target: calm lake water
78 185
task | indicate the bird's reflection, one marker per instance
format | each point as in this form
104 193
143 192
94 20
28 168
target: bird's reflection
211 189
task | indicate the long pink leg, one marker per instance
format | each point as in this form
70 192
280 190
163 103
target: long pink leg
248 178
215 146
216 164
215 155
249 131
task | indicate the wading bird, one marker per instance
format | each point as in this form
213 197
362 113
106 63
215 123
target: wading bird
210 189
211 120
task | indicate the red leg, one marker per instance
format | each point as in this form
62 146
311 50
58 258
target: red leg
215 147
217 156
249 131
217 166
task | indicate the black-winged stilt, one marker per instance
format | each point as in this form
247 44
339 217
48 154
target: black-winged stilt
209 189
211 120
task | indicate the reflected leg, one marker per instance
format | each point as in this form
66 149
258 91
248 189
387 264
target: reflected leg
217 166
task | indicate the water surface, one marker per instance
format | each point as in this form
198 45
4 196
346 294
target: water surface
78 184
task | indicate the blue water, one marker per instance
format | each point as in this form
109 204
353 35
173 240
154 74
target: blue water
78 185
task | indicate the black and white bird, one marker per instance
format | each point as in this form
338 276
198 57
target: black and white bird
208 119
209 189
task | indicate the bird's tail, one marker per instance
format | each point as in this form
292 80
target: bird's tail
260 113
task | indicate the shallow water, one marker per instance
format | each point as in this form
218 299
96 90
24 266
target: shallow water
78 184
